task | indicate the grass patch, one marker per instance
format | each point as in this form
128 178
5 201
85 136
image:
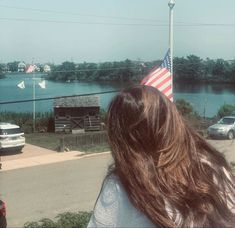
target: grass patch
52 141
95 148
46 140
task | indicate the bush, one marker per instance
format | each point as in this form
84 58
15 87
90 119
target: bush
184 107
67 219
44 121
72 220
226 110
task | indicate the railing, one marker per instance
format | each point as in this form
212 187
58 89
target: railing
83 139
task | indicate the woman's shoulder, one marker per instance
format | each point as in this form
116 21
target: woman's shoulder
114 209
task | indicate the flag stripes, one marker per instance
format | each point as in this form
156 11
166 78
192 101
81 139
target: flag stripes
30 69
161 77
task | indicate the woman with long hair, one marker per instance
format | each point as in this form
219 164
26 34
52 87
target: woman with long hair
164 173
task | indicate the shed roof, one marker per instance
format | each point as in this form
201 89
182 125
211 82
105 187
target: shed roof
82 101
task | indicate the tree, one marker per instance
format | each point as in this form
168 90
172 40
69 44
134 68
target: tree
208 67
189 69
13 66
2 70
63 72
226 110
231 72
220 67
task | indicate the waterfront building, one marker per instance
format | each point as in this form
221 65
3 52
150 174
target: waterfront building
21 67
77 114
46 68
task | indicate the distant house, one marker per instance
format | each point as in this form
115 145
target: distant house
46 68
21 67
36 67
231 61
77 113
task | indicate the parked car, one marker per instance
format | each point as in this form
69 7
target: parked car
11 137
223 128
3 220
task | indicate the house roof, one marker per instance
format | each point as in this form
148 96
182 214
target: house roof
82 101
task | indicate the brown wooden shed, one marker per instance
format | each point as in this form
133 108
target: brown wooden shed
77 113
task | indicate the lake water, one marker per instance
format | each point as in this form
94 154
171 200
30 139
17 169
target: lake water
204 98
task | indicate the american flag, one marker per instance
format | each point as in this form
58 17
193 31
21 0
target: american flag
30 69
161 77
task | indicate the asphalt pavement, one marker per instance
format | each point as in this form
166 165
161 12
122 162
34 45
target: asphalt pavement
41 191
42 183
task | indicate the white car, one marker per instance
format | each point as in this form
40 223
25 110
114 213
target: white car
223 128
11 137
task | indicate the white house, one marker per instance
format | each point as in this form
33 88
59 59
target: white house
46 68
21 67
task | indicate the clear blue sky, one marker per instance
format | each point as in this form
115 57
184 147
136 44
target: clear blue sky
59 30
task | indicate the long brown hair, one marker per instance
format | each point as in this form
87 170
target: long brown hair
169 172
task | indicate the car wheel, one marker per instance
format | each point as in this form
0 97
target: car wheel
230 135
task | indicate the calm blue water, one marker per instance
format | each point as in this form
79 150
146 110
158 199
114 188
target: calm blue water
206 98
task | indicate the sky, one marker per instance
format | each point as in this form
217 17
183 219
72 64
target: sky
113 30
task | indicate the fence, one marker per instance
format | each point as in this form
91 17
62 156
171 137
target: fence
83 139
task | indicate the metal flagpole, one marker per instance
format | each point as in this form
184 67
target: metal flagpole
171 5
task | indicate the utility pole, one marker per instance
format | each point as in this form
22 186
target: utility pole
34 105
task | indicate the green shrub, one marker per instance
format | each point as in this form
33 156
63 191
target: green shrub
43 223
72 220
184 107
44 121
226 110
67 219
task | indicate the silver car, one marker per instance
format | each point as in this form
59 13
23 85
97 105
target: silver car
224 128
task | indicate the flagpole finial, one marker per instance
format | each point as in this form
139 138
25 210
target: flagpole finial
171 4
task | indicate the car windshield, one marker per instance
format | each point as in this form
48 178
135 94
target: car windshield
227 121
10 131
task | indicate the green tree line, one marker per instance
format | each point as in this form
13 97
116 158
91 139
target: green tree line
108 71
188 69
2 72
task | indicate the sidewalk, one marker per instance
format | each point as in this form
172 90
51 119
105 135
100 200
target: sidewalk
34 156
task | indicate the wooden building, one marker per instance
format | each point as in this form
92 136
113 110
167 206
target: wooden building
77 113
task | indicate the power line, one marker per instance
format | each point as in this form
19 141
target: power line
107 69
77 22
79 14
165 23
52 98
87 70
119 24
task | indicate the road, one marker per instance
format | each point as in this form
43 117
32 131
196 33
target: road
44 191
